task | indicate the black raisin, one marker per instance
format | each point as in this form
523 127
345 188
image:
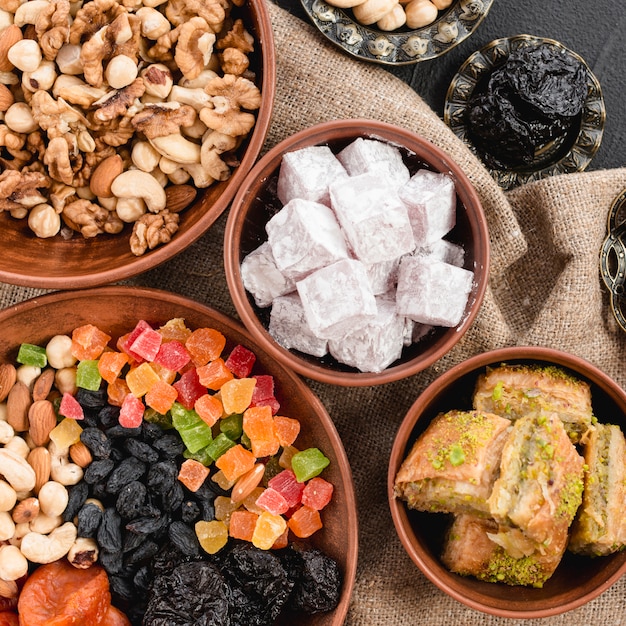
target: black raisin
111 561
162 476
184 538
170 445
142 579
121 587
89 519
110 531
77 494
150 432
190 511
128 470
143 553
143 451
97 442
109 416
132 541
98 470
172 500
131 499
146 524
119 432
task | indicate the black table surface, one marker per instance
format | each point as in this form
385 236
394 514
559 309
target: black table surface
592 28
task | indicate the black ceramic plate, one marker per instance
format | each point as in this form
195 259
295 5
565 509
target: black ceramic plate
571 152
402 46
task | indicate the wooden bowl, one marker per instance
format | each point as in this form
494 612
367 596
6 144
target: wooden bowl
256 201
57 263
116 310
577 579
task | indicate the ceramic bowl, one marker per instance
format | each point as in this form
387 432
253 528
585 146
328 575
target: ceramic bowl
256 202
577 579
116 309
57 263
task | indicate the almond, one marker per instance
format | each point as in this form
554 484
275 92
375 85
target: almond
6 98
18 404
39 460
80 454
9 36
104 175
43 384
8 376
179 197
43 419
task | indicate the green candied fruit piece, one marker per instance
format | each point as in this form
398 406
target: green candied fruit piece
232 426
193 430
308 463
30 354
245 441
219 445
202 456
154 417
88 376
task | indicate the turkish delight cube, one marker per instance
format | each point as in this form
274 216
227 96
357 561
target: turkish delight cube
337 298
305 236
306 174
445 251
288 326
373 218
262 278
432 292
376 157
374 346
382 276
430 198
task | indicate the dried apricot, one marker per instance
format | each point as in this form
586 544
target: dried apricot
58 594
9 618
114 617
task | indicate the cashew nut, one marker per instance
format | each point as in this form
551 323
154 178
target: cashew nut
19 446
28 12
6 431
177 148
129 210
13 563
53 498
180 175
39 548
7 526
84 553
138 184
45 524
16 470
61 469
196 97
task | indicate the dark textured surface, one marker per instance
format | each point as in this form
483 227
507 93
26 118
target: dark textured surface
592 28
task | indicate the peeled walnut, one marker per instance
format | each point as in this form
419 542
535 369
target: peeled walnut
151 230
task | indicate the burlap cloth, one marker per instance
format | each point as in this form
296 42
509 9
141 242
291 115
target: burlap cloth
544 290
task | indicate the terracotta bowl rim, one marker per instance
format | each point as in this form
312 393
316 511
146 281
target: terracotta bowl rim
427 564
181 240
307 394
314 135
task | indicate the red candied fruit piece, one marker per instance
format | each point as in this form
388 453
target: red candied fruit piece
263 394
88 342
273 502
126 341
304 522
131 412
172 355
317 493
69 407
189 388
286 484
240 361
205 344
214 374
146 344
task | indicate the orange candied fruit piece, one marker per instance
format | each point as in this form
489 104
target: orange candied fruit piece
175 330
209 408
111 364
161 397
267 530
304 522
214 374
192 474
88 342
141 379
204 345
235 462
117 391
236 394
287 430
258 424
163 373
242 523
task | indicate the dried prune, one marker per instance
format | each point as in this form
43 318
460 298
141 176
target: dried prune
97 442
143 451
89 518
109 534
131 499
192 594
98 470
127 470
184 538
77 494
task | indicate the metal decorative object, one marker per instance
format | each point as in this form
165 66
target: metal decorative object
613 258
402 46
566 154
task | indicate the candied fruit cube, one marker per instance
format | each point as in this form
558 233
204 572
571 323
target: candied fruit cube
214 374
141 379
219 446
175 329
286 484
192 474
221 481
193 430
172 355
304 522
287 430
247 483
308 463
249 502
232 426
131 412
205 344
235 462
284 460
273 502
30 354
111 364
317 493
263 393
224 508
242 524
240 361
213 535
88 375
69 407
161 396
209 408
267 530
146 344
189 388
88 342
117 391
258 425
66 433
282 541
236 394
124 343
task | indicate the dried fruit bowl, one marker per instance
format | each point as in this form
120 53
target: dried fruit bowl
115 310
256 202
577 579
